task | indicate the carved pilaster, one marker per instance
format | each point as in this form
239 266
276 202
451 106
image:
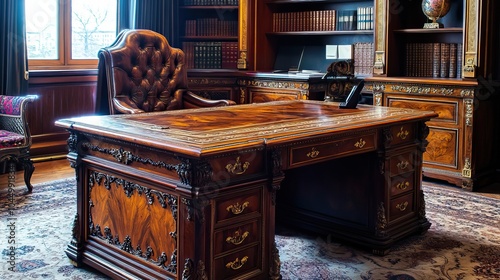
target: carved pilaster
421 212
243 33
381 225
422 136
201 271
187 272
277 171
194 173
472 12
379 67
275 267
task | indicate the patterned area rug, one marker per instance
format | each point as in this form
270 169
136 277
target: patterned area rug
462 243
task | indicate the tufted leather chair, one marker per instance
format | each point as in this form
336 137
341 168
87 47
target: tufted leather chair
140 72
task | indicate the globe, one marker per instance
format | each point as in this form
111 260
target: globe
435 9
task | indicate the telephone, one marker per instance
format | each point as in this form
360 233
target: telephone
354 96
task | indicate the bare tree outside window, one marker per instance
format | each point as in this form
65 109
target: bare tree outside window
93 27
68 33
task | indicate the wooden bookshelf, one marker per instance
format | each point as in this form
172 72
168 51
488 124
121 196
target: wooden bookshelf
466 101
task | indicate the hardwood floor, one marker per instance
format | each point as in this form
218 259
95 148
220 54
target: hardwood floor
45 171
51 170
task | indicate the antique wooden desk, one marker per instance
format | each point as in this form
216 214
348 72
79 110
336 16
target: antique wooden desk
193 194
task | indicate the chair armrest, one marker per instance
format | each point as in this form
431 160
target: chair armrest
15 105
123 105
191 100
13 114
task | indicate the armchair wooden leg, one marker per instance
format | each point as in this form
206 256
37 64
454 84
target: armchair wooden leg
29 168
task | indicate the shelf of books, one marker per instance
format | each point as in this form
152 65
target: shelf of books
360 18
209 33
317 27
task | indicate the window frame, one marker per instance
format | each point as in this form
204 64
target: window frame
64 30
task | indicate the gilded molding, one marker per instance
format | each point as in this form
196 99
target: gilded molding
471 42
380 18
469 111
467 171
467 93
242 95
243 33
279 84
378 87
377 98
423 89
211 81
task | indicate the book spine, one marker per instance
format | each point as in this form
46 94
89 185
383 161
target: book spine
445 60
453 61
436 60
459 60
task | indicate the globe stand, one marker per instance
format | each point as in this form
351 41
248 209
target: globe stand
433 25
434 10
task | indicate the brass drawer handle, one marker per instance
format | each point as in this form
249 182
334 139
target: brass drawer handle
403 134
403 164
237 238
237 208
313 153
403 186
237 264
402 206
360 144
237 168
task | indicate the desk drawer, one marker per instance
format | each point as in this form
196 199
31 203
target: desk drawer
401 206
403 183
236 236
332 149
238 166
239 206
233 265
402 163
402 134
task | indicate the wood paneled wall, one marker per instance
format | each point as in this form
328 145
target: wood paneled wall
61 94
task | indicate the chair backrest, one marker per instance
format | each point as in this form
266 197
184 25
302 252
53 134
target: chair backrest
142 72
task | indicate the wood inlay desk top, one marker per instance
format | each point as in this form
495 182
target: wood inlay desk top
204 131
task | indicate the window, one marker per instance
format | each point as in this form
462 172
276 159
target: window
68 33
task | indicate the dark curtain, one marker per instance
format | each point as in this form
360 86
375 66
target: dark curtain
156 15
13 52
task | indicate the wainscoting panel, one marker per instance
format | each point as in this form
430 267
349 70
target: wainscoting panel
62 94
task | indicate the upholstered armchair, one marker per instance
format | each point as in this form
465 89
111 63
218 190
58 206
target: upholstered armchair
15 137
140 72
